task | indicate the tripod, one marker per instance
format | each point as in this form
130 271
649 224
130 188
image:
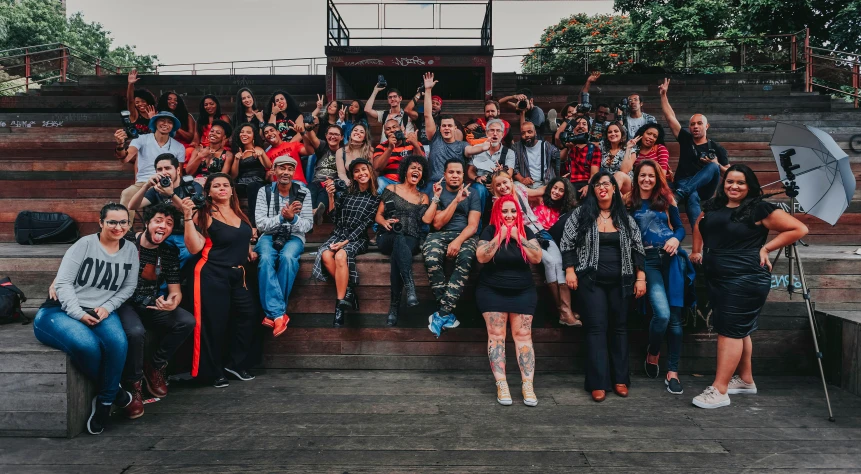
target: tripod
793 259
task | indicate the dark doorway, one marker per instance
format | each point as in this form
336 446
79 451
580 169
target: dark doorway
454 83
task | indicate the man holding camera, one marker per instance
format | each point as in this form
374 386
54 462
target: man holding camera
701 160
324 166
296 150
523 102
395 111
167 186
536 162
487 158
456 222
581 158
388 154
144 149
283 215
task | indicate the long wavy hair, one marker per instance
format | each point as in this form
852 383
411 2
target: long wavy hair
662 196
498 222
605 142
744 212
365 149
324 114
209 205
590 211
239 114
203 118
562 205
360 116
181 111
354 186
292 112
236 144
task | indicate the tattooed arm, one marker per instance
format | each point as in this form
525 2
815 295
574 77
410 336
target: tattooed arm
533 251
486 250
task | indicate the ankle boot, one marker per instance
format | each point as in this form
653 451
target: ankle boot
410 289
339 315
395 304
566 316
351 298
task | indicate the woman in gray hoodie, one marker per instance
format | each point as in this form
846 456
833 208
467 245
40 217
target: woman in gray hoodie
97 274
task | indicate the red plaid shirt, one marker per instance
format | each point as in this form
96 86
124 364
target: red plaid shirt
579 165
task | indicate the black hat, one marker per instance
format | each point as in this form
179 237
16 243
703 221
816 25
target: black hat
360 161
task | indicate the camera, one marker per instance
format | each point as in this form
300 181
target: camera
584 107
389 213
308 118
340 187
400 138
381 81
421 89
522 104
164 182
623 106
281 236
128 126
148 300
569 137
187 185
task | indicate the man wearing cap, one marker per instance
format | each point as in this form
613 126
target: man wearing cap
284 215
436 113
143 150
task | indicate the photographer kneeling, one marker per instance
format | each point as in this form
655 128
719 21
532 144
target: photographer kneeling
283 215
168 186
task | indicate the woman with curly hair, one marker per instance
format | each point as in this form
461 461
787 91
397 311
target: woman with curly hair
283 110
209 111
730 242
250 165
173 103
402 211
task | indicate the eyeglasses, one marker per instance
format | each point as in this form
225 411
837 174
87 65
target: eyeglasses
604 184
117 223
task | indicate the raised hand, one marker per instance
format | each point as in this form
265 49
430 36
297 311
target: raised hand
150 110
319 101
437 187
462 194
633 142
428 81
663 87
133 76
342 113
594 76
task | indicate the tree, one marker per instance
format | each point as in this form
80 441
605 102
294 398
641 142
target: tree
568 45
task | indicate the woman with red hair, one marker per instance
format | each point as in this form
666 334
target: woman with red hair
506 292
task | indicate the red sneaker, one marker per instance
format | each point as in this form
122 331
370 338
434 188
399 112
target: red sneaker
135 409
268 322
155 380
280 325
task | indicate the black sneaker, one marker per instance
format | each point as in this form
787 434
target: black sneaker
99 415
652 370
240 374
123 398
674 386
221 382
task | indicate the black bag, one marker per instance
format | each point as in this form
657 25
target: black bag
10 303
33 228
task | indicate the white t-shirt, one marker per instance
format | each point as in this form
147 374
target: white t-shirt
148 151
485 163
634 124
402 117
533 160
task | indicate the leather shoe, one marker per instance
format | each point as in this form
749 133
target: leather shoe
599 395
621 389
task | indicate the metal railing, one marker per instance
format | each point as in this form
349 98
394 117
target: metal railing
393 19
32 66
836 72
307 66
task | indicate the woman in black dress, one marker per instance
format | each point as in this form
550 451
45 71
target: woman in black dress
352 211
247 110
282 110
223 306
403 203
213 158
604 260
730 241
506 292
250 165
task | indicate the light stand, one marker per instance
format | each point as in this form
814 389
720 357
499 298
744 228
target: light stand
791 251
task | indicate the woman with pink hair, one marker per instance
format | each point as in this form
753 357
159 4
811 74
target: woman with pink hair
506 292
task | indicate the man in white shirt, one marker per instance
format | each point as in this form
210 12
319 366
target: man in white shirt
395 111
143 150
487 158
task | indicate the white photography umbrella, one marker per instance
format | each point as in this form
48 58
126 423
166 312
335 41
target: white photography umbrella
824 178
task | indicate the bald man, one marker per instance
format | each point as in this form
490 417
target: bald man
701 160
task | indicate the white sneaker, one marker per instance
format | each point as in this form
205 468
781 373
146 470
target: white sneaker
711 398
551 120
503 395
528 391
737 386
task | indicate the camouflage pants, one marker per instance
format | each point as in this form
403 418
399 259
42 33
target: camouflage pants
434 252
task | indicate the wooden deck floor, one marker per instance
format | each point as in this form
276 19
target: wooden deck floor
406 421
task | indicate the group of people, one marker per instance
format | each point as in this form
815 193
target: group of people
600 213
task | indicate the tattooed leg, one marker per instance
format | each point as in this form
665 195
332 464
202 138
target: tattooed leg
521 329
496 343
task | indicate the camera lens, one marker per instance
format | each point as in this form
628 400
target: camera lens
164 182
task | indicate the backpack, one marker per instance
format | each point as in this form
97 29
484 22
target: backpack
11 298
32 228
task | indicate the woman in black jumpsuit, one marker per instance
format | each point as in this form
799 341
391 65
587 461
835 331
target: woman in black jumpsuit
221 233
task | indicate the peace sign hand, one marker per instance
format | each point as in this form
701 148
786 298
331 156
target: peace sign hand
437 187
634 141
342 113
462 194
319 101
663 87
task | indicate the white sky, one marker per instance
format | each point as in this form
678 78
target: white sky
173 29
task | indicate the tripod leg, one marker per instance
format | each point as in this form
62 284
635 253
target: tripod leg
809 303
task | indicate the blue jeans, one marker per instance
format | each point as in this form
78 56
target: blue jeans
178 242
695 188
99 351
276 272
663 315
382 182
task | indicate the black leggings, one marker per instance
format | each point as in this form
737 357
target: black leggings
401 248
605 320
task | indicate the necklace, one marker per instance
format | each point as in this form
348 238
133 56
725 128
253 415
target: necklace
604 220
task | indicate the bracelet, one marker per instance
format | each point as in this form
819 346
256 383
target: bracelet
640 280
435 200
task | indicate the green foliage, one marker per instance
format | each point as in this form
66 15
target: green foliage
565 45
34 22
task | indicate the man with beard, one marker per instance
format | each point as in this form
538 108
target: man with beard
296 150
436 113
147 309
536 162
476 129
455 223
701 160
389 154
283 216
580 160
152 192
395 112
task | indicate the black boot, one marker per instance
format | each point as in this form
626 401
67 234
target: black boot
351 300
395 304
410 289
339 315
